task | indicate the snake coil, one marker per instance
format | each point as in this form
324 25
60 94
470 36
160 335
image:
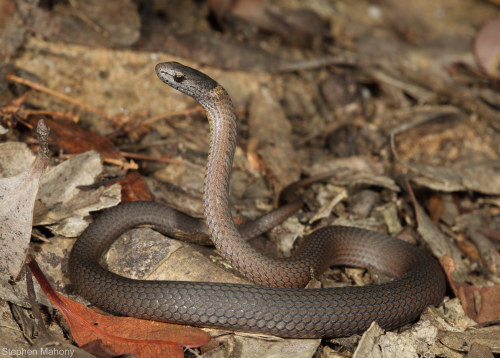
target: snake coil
279 307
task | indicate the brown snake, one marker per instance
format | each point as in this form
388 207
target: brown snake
279 307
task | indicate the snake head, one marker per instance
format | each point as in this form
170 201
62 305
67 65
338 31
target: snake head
187 80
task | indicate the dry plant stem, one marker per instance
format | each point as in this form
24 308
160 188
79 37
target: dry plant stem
51 114
413 198
315 63
423 94
182 112
59 95
122 164
156 159
35 309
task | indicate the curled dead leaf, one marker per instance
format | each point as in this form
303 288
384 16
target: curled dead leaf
121 335
487 48
18 195
482 304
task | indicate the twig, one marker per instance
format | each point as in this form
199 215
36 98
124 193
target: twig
122 164
35 309
413 199
423 94
314 63
52 114
54 93
182 112
165 117
156 159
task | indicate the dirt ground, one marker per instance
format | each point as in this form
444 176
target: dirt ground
398 101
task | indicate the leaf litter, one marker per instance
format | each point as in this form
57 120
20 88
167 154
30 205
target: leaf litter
409 63
143 338
17 195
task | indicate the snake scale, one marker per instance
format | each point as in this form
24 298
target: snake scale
278 305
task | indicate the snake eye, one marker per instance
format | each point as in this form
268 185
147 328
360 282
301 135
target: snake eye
179 78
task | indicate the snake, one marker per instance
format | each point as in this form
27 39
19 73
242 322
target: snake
277 304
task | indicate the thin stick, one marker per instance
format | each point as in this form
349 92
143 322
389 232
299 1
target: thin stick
185 112
54 93
156 159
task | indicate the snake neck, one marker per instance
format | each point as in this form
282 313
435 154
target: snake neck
243 257
219 164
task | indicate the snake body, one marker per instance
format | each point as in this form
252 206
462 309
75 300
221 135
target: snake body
280 306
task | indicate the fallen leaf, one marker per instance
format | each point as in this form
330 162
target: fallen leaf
352 171
15 158
65 208
464 341
436 208
480 304
134 188
491 233
450 174
241 345
18 195
468 248
478 350
419 340
121 335
487 48
74 139
269 126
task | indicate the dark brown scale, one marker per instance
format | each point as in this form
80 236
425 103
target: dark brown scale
282 309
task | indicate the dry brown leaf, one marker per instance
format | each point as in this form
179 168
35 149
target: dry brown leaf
134 188
18 195
487 48
447 177
269 126
436 208
73 138
121 335
491 233
468 248
489 337
480 304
